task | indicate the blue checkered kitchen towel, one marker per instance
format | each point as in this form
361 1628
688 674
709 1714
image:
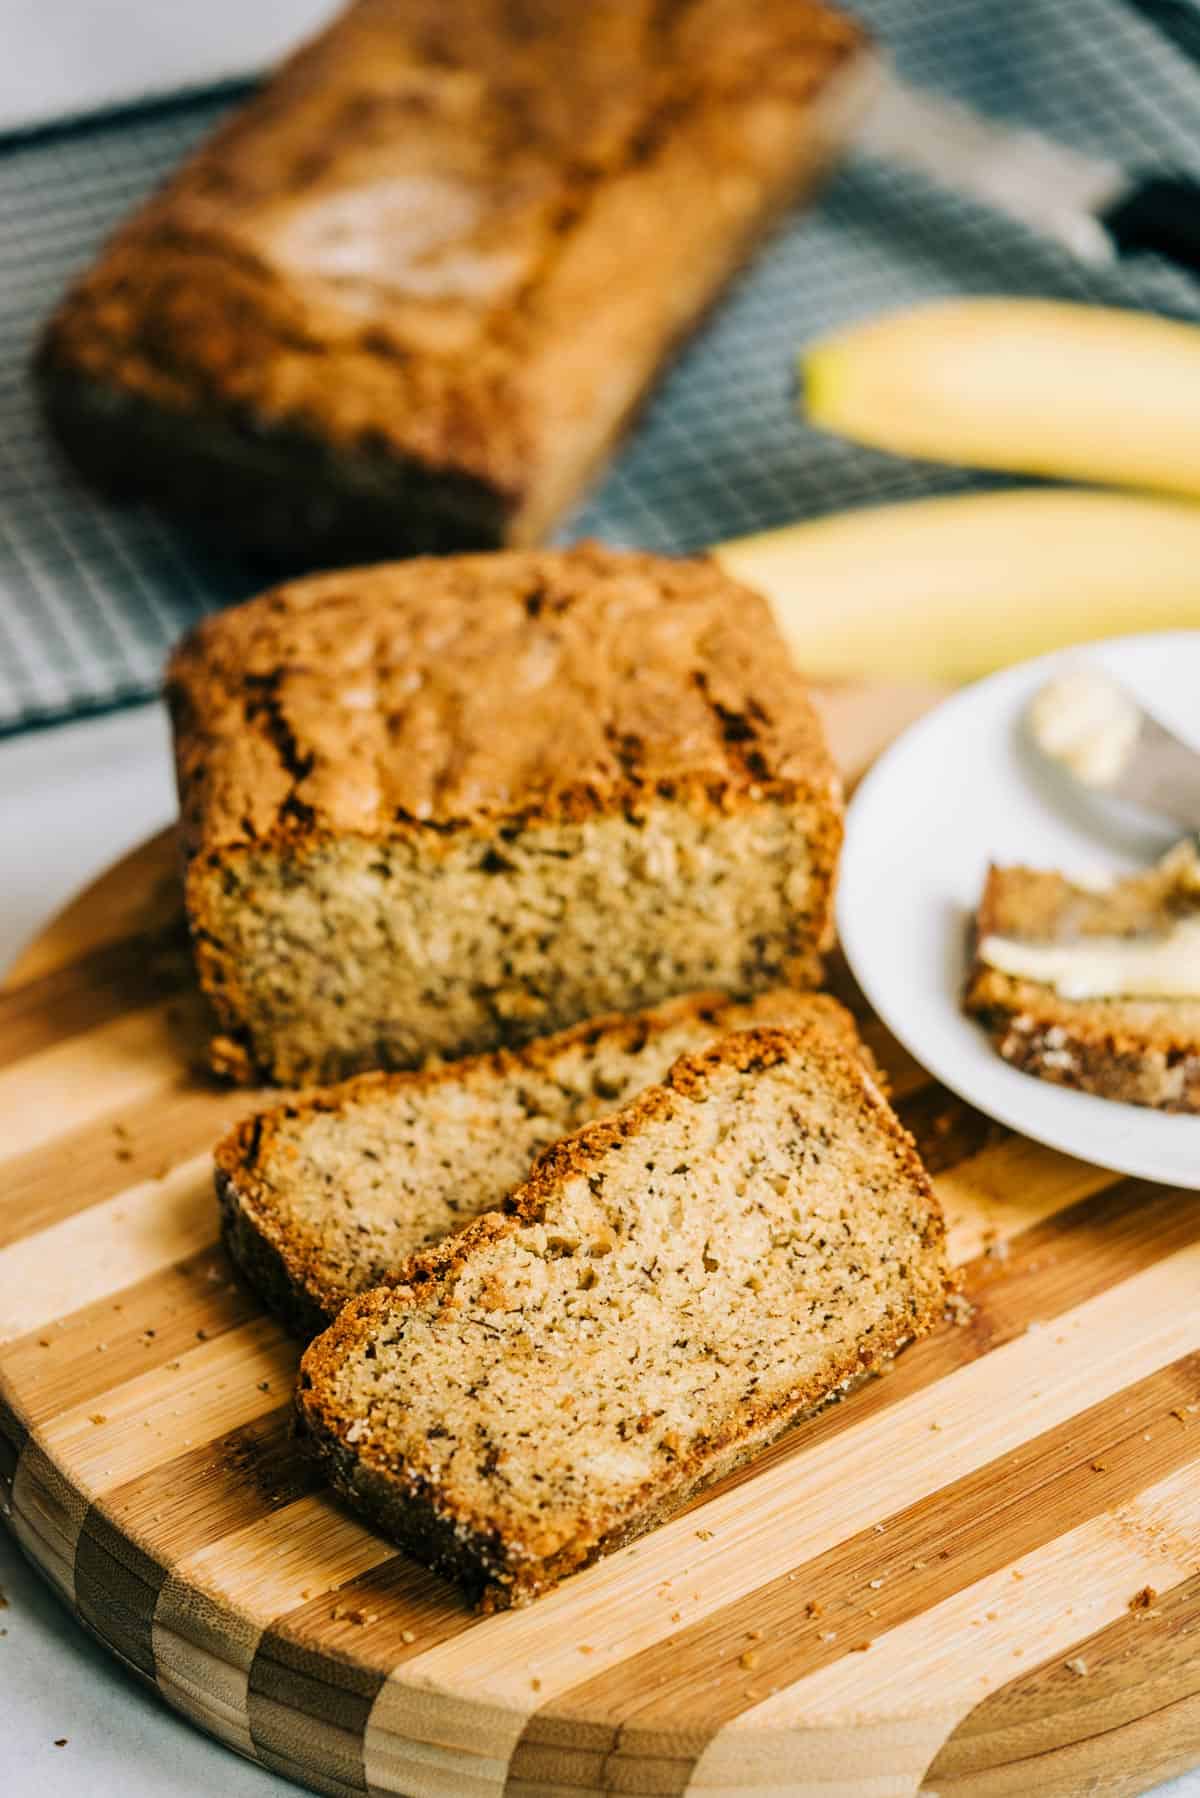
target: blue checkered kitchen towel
91 597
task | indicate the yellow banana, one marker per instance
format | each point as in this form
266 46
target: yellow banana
948 589
1043 387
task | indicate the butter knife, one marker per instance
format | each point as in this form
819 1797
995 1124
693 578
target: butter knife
1090 206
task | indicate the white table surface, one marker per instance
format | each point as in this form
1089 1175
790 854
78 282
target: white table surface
71 801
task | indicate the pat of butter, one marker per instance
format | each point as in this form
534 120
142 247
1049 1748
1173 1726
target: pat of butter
1106 967
1088 723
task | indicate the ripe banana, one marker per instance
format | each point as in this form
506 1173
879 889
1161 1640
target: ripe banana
1044 387
948 589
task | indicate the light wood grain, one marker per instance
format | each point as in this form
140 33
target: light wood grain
981 1517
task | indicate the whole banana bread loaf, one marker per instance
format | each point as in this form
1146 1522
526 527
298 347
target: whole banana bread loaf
668 1291
442 806
407 297
330 1194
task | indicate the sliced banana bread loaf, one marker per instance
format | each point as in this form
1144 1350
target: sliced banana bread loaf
669 1290
332 1194
1073 984
438 807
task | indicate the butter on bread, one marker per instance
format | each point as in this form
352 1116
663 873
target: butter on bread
1118 1045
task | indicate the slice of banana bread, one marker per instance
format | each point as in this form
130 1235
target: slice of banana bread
408 295
332 1194
669 1290
1144 1050
434 808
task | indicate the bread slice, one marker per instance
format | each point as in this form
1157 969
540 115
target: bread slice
440 807
670 1289
408 295
1144 1051
333 1193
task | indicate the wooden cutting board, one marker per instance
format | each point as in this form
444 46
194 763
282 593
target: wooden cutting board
932 1587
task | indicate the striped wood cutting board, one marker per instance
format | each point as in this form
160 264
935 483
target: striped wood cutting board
931 1587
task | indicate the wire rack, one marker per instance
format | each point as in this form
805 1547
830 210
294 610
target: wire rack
92 596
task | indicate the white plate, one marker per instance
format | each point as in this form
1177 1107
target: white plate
962 788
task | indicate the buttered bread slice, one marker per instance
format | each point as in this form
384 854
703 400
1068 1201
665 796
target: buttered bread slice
670 1289
331 1194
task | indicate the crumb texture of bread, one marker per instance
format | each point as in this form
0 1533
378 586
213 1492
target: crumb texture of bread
438 807
670 1289
329 1195
389 307
1141 1051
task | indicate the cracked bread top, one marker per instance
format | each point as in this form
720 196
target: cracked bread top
395 245
476 690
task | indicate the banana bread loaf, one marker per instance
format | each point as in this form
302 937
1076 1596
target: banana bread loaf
669 1290
442 806
407 297
333 1193
1141 1048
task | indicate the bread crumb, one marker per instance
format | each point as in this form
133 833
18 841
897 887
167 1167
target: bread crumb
1179 1412
754 1635
829 1635
935 1425
1098 1466
408 1636
813 1608
959 1310
61 1741
874 1584
1078 1666
860 1648
749 1660
1141 1601
586 1648
43 1342
705 1535
264 1385
676 1616
536 1685
97 1417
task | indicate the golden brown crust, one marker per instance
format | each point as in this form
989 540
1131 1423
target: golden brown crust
291 1266
484 690
466 699
1142 1052
395 251
497 1568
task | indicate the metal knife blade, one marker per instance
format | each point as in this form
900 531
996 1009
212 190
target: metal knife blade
1058 192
